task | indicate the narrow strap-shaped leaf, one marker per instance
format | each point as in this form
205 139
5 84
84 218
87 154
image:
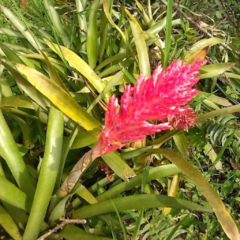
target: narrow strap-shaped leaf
103 35
74 233
66 147
154 173
116 78
82 22
17 101
142 50
10 194
48 174
56 21
87 138
79 64
92 35
208 191
214 70
9 225
26 86
11 33
54 76
135 202
58 97
118 165
168 33
108 15
11 154
11 55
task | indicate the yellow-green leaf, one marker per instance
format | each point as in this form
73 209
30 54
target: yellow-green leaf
203 44
58 97
9 225
79 64
214 70
208 191
17 101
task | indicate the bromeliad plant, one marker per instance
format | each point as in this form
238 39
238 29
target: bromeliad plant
162 97
61 78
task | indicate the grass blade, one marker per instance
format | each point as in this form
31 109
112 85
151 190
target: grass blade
92 35
56 21
138 225
21 27
168 33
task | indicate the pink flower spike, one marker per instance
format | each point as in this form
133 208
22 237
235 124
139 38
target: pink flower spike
160 97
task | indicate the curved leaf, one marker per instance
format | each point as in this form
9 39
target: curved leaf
58 97
142 50
208 191
135 202
76 62
11 154
17 101
48 174
10 194
9 225
214 70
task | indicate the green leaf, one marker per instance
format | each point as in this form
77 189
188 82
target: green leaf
10 194
106 8
48 174
138 225
56 21
168 33
86 138
217 113
134 153
208 191
136 202
92 35
116 78
9 225
154 173
227 187
181 143
17 101
74 233
203 44
142 50
214 70
118 165
21 26
9 151
26 86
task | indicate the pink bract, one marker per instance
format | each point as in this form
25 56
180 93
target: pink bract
160 97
